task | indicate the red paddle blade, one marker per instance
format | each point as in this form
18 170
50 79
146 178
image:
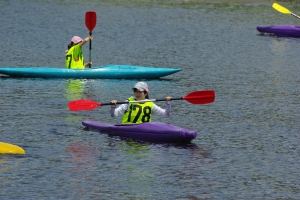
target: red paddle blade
85 104
90 20
200 97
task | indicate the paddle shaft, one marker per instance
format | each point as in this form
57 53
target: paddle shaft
141 101
295 15
90 52
196 97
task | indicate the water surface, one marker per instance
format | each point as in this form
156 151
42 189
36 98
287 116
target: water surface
248 139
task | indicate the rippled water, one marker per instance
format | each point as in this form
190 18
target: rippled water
248 139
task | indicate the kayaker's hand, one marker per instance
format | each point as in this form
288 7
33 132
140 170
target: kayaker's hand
114 102
168 98
88 38
89 64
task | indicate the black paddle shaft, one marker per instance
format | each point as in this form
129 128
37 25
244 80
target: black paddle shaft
151 100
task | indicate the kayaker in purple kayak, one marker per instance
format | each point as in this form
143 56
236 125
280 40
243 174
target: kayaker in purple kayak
74 55
139 112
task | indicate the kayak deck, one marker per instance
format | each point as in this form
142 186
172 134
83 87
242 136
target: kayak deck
101 72
153 131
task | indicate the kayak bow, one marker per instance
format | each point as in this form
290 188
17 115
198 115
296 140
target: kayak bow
281 30
6 148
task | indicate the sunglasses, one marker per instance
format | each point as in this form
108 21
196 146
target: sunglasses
136 90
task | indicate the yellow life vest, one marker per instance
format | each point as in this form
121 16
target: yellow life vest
75 58
138 113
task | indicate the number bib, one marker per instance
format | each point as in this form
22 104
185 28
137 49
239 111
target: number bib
138 113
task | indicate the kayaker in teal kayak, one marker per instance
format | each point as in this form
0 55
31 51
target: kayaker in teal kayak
137 112
74 55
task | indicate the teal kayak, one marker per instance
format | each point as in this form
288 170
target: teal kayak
102 72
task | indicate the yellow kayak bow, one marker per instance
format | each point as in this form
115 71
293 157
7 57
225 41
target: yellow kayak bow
6 148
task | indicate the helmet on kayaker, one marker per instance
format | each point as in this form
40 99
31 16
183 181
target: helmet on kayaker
141 86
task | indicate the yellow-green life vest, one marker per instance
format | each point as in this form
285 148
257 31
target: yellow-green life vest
138 113
75 58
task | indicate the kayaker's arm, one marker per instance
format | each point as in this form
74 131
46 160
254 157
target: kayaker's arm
85 40
163 112
115 112
112 110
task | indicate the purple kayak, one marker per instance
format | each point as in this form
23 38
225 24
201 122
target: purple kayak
281 30
154 131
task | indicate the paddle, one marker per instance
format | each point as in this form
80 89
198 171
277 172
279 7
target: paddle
283 10
90 22
196 97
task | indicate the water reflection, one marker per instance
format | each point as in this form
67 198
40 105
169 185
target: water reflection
83 162
82 154
134 148
278 46
74 89
3 162
9 164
